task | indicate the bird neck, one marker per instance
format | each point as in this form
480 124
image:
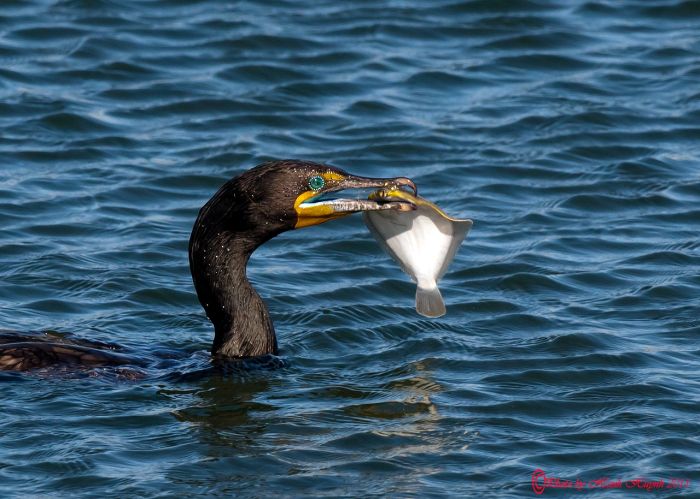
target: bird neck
242 324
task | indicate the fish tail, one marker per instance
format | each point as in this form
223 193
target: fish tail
429 302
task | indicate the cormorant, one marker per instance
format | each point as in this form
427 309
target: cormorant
247 211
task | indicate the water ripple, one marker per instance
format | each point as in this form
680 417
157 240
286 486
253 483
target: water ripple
567 131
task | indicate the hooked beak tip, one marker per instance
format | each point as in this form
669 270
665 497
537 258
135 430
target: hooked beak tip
406 182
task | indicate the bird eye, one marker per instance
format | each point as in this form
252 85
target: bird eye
316 182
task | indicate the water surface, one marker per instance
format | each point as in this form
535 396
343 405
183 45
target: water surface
569 131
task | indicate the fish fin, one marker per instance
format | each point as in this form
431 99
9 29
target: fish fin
429 302
460 230
398 225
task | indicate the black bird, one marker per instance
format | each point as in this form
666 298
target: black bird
247 211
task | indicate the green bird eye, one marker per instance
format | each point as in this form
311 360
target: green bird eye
316 182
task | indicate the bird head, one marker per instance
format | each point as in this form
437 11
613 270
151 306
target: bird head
291 194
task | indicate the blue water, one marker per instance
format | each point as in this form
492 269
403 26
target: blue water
569 131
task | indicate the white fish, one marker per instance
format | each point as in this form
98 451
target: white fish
423 242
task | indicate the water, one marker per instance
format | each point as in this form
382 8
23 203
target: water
568 131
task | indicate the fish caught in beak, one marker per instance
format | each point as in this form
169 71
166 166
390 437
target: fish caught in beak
423 241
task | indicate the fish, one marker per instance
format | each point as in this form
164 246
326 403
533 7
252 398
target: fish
423 241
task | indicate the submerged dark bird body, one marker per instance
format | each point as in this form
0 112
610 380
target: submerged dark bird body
22 352
247 211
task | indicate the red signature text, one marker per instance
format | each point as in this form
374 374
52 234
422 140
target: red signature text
541 482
